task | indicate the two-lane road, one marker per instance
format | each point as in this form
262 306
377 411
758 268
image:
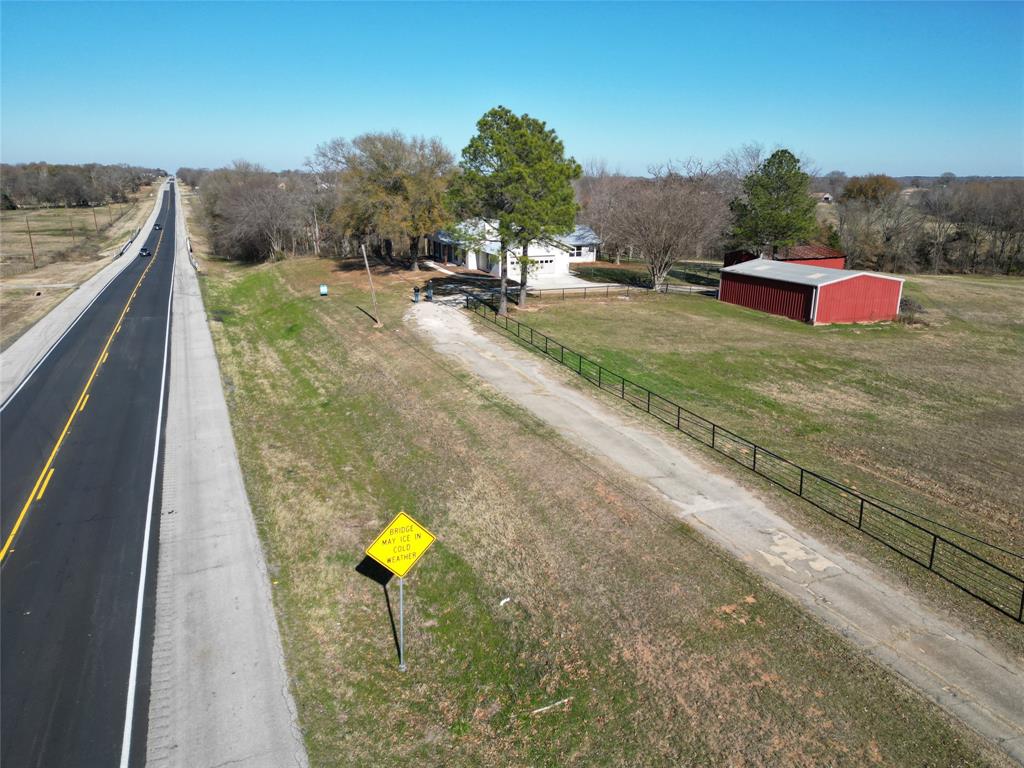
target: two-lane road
79 483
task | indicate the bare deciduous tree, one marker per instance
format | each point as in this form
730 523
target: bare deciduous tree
679 212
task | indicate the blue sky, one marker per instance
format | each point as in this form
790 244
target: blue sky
917 88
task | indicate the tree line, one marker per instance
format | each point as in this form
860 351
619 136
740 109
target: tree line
71 186
951 226
389 193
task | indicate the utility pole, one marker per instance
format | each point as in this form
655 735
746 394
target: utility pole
71 223
94 222
373 294
110 216
316 233
31 245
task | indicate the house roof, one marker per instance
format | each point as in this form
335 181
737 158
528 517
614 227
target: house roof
486 233
801 274
580 236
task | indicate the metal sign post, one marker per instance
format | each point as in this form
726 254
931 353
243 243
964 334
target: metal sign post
397 548
401 625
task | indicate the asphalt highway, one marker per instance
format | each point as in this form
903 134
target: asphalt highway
79 490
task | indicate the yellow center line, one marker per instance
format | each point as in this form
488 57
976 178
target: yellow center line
46 482
47 472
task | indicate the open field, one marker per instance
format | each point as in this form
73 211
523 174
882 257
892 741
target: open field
926 416
27 293
661 650
66 234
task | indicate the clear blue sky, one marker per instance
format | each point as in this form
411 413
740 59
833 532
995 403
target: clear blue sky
916 88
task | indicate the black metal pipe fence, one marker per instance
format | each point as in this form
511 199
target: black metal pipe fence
975 574
593 291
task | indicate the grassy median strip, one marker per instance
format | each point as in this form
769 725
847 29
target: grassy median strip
556 580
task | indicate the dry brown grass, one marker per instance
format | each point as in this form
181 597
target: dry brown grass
669 652
28 294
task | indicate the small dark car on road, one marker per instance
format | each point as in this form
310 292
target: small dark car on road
157 226
145 252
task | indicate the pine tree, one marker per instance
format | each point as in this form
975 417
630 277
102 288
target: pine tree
515 172
777 209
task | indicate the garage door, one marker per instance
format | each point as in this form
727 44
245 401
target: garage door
545 266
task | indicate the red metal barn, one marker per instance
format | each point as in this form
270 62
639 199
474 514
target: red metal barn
812 294
811 255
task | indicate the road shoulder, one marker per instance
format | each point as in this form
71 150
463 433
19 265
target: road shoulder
220 692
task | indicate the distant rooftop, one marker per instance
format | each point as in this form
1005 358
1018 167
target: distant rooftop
804 251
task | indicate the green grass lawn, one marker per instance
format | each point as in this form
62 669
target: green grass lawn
928 416
554 578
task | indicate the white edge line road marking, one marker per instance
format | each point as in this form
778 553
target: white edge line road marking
67 330
126 741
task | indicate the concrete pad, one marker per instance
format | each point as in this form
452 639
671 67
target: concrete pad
959 671
18 360
220 692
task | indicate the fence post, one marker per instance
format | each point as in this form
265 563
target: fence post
860 518
579 367
648 401
931 557
1020 613
545 345
679 417
754 468
561 354
800 493
599 369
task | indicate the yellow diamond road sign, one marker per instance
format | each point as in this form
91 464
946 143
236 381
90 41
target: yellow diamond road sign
400 545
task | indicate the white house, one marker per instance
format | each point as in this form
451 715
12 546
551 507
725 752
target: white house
481 251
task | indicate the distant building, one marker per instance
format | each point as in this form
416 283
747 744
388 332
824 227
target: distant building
815 295
809 255
480 250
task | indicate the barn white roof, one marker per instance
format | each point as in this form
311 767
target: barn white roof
801 274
